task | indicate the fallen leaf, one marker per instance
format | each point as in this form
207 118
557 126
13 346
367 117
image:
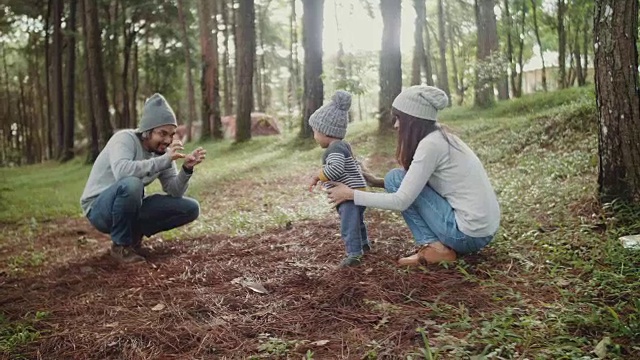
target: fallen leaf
320 343
257 287
158 307
601 348
113 324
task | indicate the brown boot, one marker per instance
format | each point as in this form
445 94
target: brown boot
125 254
432 253
138 248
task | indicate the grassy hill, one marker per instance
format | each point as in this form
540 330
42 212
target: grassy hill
555 283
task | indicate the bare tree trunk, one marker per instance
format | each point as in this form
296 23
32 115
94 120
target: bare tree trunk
485 21
58 88
227 76
135 79
418 43
99 87
211 124
69 125
521 46
585 46
187 60
618 98
562 45
426 65
49 99
456 81
312 19
512 64
246 35
537 32
42 120
443 77
390 62
580 75
94 142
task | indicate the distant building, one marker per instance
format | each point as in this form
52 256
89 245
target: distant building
532 72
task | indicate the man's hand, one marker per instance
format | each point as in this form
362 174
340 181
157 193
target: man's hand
174 150
313 181
195 158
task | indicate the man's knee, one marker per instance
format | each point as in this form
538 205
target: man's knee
131 187
393 179
191 208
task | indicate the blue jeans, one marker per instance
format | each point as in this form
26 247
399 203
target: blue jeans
123 212
352 227
431 218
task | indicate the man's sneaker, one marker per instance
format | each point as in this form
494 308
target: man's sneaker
432 253
350 261
125 254
366 248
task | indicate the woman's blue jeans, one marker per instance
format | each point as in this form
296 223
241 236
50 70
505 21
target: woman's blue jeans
123 212
431 218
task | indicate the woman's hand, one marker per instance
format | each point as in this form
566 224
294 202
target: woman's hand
339 193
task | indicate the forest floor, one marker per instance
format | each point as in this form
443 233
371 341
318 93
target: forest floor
555 283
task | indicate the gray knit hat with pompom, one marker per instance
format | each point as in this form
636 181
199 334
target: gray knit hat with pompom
421 101
331 119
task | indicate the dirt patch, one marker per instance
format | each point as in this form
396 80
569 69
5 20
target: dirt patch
189 301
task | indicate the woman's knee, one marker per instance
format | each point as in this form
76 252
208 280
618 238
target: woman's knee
393 179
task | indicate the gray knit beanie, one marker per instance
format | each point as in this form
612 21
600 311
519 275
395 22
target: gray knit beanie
156 112
331 119
421 101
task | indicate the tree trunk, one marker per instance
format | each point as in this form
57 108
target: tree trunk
135 79
129 35
456 80
69 125
49 98
562 45
585 47
312 19
58 88
390 62
187 60
616 63
96 70
211 125
418 42
227 76
521 37
485 22
534 7
443 77
94 142
512 64
246 36
580 75
426 65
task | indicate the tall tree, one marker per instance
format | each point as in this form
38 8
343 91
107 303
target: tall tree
191 99
58 88
512 65
246 37
69 124
536 29
312 19
92 129
418 42
227 75
96 70
457 80
618 98
443 76
562 44
390 61
487 46
426 65
210 83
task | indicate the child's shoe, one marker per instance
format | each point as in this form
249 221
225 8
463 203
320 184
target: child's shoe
351 261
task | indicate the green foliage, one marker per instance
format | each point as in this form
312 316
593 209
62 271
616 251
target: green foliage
18 333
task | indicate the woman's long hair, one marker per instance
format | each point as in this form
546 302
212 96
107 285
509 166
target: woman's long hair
411 131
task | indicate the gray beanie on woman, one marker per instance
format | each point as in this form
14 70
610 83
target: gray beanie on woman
156 112
421 101
331 119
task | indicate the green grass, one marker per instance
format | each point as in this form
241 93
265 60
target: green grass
541 154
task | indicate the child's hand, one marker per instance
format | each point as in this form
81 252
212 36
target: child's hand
313 181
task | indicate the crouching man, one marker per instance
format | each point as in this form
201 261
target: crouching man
114 200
